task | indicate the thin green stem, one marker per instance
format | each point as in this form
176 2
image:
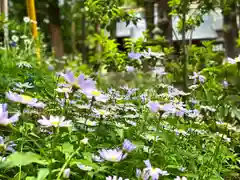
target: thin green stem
38 146
66 163
155 138
20 167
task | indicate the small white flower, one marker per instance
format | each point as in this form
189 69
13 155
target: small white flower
15 38
22 64
84 140
84 167
208 108
66 173
46 21
101 112
34 22
97 158
130 69
55 121
182 169
154 173
91 123
64 90
27 42
179 178
4 119
23 37
115 178
98 95
26 85
2 159
26 19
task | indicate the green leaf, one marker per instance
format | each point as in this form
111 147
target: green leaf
30 178
42 174
22 159
87 156
16 177
84 162
189 175
67 148
120 132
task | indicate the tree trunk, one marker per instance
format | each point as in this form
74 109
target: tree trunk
55 28
4 10
165 20
74 50
83 39
149 14
230 31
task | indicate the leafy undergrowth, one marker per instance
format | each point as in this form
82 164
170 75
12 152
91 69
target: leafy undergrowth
131 125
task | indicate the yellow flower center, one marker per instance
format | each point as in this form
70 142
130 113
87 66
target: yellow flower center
102 112
65 89
26 98
113 158
96 93
2 147
154 170
55 123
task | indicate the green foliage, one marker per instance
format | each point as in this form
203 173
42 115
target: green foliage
18 159
193 134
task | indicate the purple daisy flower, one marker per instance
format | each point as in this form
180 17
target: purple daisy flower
154 173
133 55
24 99
112 155
130 69
231 60
80 82
4 120
225 84
54 121
198 77
169 108
96 94
154 106
7 146
128 146
180 178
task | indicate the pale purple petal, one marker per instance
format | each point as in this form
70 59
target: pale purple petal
14 118
154 106
69 77
147 163
45 122
66 173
